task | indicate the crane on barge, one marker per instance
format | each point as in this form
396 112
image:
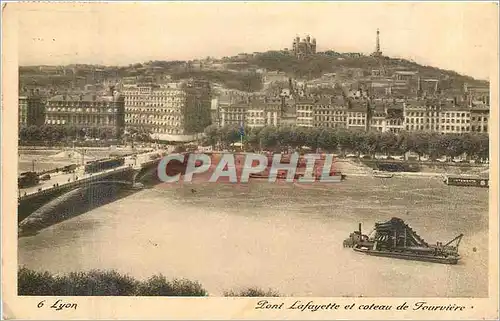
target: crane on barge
396 239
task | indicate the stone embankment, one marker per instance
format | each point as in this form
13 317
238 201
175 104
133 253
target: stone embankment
355 168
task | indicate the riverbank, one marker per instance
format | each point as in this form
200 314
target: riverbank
112 283
357 168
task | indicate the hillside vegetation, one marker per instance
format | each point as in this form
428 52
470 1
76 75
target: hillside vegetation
240 73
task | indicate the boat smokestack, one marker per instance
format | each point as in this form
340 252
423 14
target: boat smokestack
359 228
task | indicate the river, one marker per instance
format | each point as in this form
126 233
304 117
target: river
287 237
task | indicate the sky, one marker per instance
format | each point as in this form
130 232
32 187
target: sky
458 36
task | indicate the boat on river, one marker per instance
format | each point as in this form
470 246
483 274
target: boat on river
395 239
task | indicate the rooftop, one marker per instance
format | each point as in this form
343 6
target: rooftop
82 97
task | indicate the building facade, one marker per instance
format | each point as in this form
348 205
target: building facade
363 114
232 114
173 109
214 112
455 119
86 111
330 113
420 115
263 113
305 113
31 109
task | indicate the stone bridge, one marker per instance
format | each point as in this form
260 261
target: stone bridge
125 175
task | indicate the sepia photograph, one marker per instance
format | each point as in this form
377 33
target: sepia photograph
288 158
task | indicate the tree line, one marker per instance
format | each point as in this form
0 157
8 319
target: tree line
345 141
53 133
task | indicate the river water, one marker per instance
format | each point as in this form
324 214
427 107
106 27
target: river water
285 236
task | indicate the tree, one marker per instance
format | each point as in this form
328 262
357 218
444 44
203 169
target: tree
368 143
211 135
327 140
269 137
388 143
252 138
312 135
484 146
435 145
420 144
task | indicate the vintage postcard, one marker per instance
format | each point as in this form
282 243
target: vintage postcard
250 160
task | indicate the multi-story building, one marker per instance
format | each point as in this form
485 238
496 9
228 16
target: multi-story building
330 113
263 113
454 119
357 116
378 121
477 93
405 75
421 115
169 109
31 109
358 112
437 116
86 111
478 100
386 116
214 112
394 124
479 118
305 112
233 114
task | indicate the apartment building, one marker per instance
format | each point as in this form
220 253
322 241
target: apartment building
169 109
330 113
479 118
305 113
454 119
262 113
232 114
31 109
87 110
421 115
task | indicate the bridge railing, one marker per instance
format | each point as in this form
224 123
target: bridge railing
74 183
91 177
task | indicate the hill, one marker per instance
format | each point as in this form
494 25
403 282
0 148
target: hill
239 72
331 62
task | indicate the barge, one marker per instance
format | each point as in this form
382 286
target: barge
466 181
395 239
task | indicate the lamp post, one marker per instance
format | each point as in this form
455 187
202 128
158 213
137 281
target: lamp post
83 156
